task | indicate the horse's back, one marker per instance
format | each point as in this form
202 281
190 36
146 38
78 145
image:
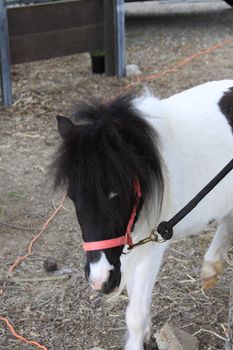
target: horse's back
206 95
201 119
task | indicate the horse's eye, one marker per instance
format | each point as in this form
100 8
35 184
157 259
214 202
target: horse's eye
112 195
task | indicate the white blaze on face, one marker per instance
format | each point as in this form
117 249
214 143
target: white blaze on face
99 272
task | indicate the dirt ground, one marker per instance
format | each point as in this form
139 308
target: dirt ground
64 313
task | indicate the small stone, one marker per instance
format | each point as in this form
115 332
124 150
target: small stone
132 69
173 338
50 264
95 348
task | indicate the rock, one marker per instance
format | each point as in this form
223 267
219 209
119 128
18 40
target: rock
50 264
173 338
132 69
96 348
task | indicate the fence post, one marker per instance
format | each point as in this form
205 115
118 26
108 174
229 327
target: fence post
120 24
5 70
109 37
114 37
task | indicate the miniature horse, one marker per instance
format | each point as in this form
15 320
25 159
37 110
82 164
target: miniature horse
172 148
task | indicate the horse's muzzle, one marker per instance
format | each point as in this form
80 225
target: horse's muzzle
107 286
112 283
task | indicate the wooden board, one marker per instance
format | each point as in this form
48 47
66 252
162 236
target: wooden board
28 48
54 16
55 29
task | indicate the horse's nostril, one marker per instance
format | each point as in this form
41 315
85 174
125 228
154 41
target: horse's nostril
96 285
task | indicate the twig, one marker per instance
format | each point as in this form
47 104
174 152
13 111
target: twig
31 136
12 287
116 329
46 301
211 332
190 280
26 228
229 261
12 279
180 253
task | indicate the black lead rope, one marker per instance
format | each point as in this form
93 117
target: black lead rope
165 228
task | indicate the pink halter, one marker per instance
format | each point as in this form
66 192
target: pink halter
119 241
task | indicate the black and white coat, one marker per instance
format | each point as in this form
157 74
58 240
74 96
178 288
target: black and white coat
194 138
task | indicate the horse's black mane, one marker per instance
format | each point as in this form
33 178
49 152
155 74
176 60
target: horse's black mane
110 146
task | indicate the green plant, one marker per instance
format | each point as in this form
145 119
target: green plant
2 211
97 53
16 194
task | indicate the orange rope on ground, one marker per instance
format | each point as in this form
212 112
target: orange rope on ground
20 337
180 64
22 258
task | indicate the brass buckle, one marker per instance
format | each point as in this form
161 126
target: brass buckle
153 237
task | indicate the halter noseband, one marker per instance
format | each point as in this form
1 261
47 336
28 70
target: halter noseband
118 241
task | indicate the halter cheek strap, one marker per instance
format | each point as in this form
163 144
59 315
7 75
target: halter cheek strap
118 241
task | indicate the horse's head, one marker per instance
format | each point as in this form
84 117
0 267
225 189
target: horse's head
104 150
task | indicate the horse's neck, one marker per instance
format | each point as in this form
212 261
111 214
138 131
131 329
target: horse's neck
191 157
157 115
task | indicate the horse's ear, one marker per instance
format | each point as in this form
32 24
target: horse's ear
65 127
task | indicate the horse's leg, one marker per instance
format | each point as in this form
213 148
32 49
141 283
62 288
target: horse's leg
214 257
140 291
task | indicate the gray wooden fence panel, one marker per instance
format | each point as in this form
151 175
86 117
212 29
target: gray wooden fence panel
50 30
54 16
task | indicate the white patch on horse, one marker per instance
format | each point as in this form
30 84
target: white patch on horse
112 195
99 272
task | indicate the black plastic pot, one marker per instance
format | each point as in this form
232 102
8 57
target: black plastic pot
98 64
